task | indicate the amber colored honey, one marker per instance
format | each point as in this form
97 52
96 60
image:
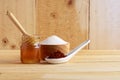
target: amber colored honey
30 53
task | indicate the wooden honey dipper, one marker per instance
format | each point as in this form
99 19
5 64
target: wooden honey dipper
27 37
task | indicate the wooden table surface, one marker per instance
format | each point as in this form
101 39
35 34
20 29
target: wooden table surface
86 65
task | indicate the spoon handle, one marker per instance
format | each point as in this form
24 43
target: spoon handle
78 48
16 22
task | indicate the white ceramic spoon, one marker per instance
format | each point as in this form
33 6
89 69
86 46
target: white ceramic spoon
69 55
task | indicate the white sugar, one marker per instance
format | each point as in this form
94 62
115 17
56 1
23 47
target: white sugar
53 40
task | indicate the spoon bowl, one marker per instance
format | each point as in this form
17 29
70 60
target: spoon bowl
69 55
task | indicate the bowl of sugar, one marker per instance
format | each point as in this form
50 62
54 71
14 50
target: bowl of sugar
52 46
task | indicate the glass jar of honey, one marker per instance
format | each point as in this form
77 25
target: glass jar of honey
30 49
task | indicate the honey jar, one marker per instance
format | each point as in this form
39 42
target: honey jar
30 49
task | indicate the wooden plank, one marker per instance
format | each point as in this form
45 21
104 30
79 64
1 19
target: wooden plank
67 19
61 76
12 69
24 10
104 24
82 56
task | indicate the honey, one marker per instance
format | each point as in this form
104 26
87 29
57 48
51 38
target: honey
30 50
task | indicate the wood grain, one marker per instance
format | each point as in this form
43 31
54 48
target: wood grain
104 24
67 19
86 65
24 10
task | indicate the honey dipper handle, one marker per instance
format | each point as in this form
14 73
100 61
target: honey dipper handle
17 23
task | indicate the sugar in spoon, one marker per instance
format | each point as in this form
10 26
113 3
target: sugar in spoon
69 55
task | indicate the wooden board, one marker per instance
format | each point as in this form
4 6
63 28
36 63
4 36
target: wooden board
104 24
67 19
86 65
72 20
24 10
